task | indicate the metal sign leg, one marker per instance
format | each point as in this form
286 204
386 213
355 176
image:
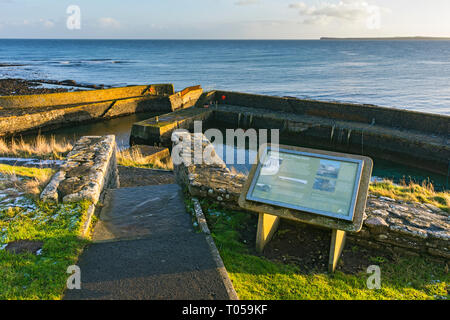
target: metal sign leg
336 247
267 226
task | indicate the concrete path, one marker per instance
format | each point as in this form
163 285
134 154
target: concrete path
146 248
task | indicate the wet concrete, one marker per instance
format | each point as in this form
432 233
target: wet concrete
131 213
146 248
135 177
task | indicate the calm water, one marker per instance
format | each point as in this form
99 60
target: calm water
382 168
413 75
120 127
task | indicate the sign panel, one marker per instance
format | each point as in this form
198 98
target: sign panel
319 187
317 183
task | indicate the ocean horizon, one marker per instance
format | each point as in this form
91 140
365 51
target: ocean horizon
405 74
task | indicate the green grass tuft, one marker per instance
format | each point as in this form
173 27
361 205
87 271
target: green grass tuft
29 276
412 192
39 173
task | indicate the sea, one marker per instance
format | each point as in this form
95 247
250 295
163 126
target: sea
413 75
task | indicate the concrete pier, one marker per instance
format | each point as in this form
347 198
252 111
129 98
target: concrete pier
158 130
21 114
84 97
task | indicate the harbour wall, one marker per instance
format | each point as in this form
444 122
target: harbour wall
381 133
359 113
412 138
22 114
83 97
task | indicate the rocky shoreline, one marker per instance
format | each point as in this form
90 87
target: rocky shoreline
12 86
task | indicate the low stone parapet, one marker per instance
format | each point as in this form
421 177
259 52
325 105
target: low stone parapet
211 179
402 226
90 168
414 228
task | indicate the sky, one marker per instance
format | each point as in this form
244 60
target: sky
223 19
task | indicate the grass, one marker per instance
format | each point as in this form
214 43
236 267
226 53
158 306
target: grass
41 147
48 148
134 158
30 276
412 192
30 181
256 277
57 226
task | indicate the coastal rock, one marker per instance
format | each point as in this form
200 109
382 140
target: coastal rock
376 224
69 83
50 192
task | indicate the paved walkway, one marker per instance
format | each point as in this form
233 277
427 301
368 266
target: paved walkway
146 248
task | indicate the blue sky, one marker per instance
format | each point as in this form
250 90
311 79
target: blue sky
225 19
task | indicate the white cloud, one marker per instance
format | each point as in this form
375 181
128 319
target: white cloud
47 23
350 11
108 22
246 2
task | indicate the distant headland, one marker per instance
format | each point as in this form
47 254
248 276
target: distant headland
388 38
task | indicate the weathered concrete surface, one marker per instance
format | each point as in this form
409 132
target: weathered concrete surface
186 98
47 112
90 168
83 97
29 119
158 130
151 153
151 211
368 114
410 227
146 248
133 177
417 148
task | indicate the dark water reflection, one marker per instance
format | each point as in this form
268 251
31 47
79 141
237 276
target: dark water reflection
121 127
382 168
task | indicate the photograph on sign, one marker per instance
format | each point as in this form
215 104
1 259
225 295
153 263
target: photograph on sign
317 183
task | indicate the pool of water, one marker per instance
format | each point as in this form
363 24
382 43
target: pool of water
382 169
121 127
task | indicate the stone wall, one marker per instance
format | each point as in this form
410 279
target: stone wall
413 228
90 168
